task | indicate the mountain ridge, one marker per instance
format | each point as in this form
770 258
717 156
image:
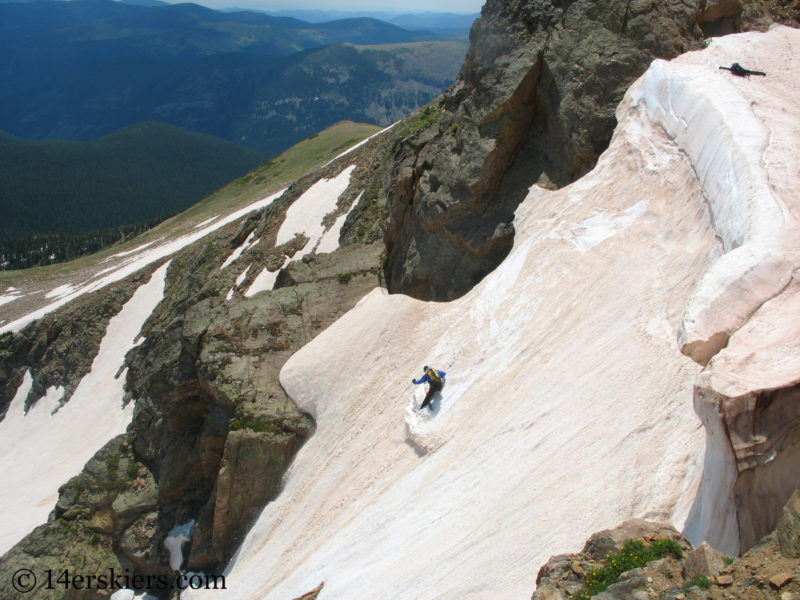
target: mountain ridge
256 80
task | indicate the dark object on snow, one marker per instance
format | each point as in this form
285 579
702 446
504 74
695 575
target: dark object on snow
739 70
435 381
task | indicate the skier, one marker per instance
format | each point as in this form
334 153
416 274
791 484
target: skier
435 381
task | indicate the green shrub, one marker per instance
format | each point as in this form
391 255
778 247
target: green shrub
112 464
633 554
700 581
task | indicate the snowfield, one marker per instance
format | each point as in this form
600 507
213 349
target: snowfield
41 449
568 403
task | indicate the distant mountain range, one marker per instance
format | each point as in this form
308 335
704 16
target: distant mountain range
82 69
440 23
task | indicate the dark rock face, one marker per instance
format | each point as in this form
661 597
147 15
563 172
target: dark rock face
534 101
211 420
104 520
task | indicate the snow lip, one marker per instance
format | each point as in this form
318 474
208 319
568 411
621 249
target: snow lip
711 119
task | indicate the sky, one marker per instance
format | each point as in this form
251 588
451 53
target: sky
398 6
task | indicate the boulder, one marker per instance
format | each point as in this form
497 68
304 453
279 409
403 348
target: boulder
703 560
611 540
632 585
564 576
788 529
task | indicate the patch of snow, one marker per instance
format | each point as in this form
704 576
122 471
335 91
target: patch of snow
242 276
239 280
361 143
143 259
305 214
265 280
60 291
176 538
240 250
41 449
129 252
601 226
330 239
13 294
206 222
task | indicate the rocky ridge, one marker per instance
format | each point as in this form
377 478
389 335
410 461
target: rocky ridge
61 347
212 431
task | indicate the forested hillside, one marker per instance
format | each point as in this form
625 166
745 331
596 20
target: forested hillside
63 193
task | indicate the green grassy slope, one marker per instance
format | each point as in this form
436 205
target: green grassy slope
298 160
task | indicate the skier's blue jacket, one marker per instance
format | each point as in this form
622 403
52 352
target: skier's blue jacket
425 377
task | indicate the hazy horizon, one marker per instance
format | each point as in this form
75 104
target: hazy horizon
355 6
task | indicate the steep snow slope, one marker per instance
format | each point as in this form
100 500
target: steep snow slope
54 439
568 406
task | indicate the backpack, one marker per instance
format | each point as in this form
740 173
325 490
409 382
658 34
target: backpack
433 375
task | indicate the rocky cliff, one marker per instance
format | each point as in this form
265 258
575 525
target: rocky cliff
534 101
425 209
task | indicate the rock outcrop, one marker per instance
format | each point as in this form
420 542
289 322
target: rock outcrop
59 348
213 431
766 571
106 520
535 100
564 576
212 421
